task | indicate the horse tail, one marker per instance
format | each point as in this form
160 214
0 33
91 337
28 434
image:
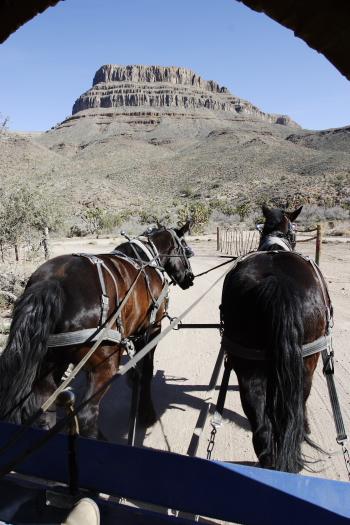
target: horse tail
34 318
282 315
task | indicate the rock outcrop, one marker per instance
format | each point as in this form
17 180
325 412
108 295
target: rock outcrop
164 90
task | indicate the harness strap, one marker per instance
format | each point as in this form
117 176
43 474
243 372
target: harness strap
100 264
325 293
321 344
96 261
81 336
328 371
152 257
157 304
273 239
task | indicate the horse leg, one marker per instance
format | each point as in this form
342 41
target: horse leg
146 414
103 366
310 364
41 391
252 387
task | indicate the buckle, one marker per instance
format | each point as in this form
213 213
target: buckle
328 366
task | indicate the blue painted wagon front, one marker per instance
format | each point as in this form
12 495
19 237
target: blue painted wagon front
219 490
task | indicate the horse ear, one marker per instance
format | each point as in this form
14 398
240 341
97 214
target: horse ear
292 215
266 211
185 228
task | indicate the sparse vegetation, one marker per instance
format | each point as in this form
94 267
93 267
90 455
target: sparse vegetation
24 217
4 123
312 214
199 212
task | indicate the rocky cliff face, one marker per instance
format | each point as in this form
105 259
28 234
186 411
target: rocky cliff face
164 90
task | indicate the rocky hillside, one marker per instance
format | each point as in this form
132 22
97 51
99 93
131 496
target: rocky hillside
170 91
148 135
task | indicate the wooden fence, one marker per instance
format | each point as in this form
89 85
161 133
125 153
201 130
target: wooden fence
317 238
237 242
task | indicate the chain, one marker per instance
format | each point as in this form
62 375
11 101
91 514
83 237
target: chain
346 455
211 443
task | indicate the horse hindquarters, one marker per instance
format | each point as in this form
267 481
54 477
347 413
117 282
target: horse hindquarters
35 316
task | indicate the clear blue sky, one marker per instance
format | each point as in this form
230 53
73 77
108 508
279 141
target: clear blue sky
51 60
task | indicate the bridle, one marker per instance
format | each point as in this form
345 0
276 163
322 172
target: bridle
286 241
183 252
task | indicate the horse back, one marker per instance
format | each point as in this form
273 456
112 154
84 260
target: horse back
80 283
244 305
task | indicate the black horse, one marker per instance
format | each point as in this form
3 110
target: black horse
71 295
274 301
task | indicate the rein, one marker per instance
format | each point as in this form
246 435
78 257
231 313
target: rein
232 259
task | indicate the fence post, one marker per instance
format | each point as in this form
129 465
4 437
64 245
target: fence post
318 243
45 243
217 239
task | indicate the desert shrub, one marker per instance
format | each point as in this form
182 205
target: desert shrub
199 212
131 226
24 217
222 206
312 214
243 209
346 204
4 123
187 191
13 281
77 230
336 213
158 216
110 221
92 218
97 220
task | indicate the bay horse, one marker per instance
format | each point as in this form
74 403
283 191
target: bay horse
274 301
73 294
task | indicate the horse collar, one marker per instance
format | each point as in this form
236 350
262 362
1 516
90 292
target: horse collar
153 258
276 238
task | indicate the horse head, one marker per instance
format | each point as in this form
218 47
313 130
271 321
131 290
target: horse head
278 231
174 253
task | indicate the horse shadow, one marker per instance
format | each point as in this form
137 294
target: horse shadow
169 393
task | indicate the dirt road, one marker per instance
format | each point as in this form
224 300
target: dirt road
184 363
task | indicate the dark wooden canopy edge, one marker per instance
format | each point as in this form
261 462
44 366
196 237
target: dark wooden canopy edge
322 24
15 13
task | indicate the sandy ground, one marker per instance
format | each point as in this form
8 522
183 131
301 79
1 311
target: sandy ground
185 359
184 362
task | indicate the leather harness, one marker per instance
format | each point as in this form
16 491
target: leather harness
111 335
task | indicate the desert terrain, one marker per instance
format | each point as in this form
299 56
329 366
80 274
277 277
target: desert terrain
158 138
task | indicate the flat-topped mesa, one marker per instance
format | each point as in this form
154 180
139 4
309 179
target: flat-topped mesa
167 91
152 74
